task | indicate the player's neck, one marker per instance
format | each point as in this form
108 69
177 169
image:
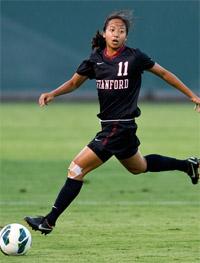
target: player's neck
111 53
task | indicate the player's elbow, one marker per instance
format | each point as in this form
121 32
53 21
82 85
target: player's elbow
73 84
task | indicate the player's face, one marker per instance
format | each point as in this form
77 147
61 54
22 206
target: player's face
115 34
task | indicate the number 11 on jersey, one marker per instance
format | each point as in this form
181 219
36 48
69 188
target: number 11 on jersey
123 66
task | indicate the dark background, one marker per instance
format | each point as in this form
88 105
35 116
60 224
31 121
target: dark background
43 42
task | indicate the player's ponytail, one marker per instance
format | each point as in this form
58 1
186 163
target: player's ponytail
98 41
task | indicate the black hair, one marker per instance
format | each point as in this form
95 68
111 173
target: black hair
98 41
126 16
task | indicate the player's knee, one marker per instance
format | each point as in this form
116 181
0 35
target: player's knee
133 171
137 171
75 171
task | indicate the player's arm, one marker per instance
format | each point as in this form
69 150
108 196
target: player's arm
174 81
67 87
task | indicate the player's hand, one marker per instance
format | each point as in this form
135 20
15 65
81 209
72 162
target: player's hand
45 98
196 100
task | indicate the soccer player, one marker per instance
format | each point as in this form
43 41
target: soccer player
117 69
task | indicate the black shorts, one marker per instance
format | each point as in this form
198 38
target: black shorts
116 138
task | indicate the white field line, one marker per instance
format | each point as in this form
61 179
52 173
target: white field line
108 203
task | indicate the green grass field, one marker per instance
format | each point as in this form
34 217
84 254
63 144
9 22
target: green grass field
118 217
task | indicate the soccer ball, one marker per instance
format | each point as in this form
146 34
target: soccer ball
15 240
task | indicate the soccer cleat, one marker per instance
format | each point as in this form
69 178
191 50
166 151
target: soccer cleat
39 224
193 166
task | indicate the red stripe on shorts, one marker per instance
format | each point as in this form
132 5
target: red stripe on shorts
113 131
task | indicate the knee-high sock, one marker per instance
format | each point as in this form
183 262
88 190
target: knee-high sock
158 163
66 195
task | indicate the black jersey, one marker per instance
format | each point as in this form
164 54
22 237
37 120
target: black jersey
118 81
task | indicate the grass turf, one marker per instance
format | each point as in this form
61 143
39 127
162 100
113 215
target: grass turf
118 217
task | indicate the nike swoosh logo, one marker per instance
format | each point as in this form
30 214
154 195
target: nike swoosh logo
193 172
43 228
100 63
97 140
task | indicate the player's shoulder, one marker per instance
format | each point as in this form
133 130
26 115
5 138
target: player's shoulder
142 56
95 54
131 51
135 51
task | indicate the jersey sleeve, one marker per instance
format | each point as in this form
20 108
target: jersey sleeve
86 69
145 62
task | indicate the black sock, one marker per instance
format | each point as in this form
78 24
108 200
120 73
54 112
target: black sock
158 163
66 195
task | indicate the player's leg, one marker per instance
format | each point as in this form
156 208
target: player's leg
83 163
157 163
136 164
